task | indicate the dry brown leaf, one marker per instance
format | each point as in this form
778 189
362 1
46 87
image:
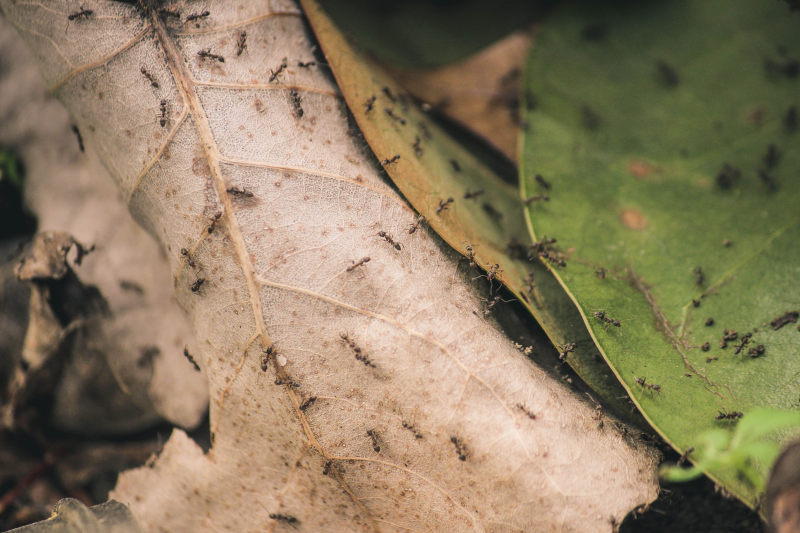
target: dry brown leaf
481 92
387 401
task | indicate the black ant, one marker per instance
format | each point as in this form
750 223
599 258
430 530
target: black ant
207 54
356 350
214 220
189 357
189 258
360 262
471 256
643 383
732 415
418 222
197 284
289 519
416 146
685 455
265 357
492 303
388 93
394 117
527 411
409 426
78 135
307 402
369 103
461 449
743 341
541 181
373 435
239 192
495 215
296 103
455 165
390 161
81 14
601 315
474 194
566 349
306 64
164 12
241 43
388 238
149 77
164 114
327 468
444 204
273 74
197 16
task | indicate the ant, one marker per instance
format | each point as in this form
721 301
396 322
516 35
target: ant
601 315
493 302
541 181
206 54
189 357
273 74
643 383
214 220
241 43
732 415
527 411
373 435
356 350
390 161
265 357
296 103
164 113
239 192
369 103
416 146
360 262
455 165
78 135
188 256
685 455
327 468
461 449
149 77
444 204
197 16
388 238
307 402
471 256
418 222
394 117
567 348
743 341
164 12
388 93
289 519
81 14
197 284
306 64
699 277
474 194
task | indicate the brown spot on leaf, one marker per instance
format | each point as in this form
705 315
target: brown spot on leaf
633 219
640 169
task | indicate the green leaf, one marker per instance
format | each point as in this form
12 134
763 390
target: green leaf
421 33
641 107
433 167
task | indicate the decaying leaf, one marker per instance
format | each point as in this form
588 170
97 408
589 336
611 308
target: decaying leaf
482 92
347 394
137 346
